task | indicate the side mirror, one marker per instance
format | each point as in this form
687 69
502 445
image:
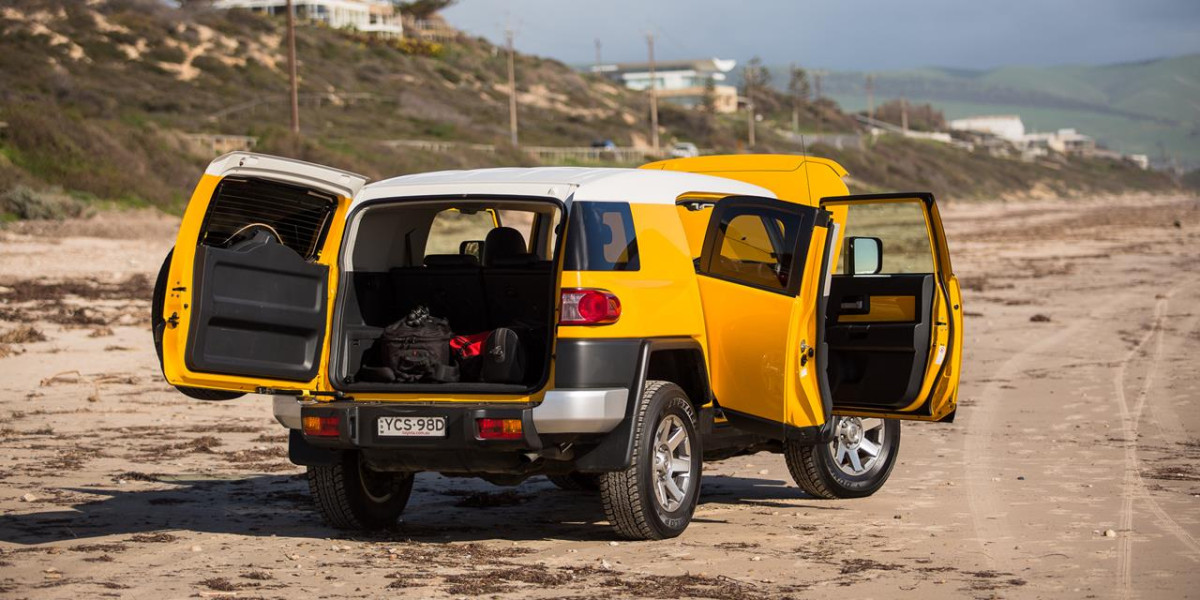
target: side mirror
865 255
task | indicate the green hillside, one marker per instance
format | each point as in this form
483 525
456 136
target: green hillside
102 101
1132 107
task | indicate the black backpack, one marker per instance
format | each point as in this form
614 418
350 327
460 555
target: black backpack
503 357
417 348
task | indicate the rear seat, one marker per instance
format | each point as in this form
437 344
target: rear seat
515 280
450 285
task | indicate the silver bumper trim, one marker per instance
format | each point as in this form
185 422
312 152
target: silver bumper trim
287 411
580 410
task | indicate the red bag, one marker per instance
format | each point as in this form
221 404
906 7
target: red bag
466 346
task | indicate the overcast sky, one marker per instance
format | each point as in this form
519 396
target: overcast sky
846 34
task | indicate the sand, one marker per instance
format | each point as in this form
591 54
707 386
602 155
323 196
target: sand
1073 469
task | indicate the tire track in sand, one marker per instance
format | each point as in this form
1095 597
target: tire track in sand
987 507
1134 486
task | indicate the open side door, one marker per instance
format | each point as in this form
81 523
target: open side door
752 273
894 314
249 291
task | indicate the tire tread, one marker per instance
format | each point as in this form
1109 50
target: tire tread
619 490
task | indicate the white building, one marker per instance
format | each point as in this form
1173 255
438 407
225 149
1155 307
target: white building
1008 127
1063 141
369 16
679 82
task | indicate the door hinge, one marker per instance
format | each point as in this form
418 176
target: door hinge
301 393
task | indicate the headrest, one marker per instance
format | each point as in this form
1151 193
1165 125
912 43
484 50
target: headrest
451 260
501 243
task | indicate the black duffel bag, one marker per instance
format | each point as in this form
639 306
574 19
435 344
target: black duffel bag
417 348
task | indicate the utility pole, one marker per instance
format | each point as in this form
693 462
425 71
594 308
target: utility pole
750 115
795 100
817 75
295 90
512 87
871 95
598 61
904 114
653 95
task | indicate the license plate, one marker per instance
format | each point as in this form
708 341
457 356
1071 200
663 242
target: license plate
412 426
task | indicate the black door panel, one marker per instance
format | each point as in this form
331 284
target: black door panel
262 313
877 364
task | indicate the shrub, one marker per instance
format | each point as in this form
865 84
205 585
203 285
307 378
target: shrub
25 203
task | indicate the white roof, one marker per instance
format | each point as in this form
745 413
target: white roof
636 186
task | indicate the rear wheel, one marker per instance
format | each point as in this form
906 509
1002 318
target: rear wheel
158 324
854 464
576 482
349 495
655 497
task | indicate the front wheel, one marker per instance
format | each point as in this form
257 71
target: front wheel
655 497
350 495
854 464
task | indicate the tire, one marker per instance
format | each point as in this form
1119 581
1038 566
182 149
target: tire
825 471
576 482
158 324
349 495
639 501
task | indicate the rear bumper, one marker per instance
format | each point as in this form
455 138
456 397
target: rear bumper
573 411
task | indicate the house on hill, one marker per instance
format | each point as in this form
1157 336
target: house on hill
378 17
679 82
1009 127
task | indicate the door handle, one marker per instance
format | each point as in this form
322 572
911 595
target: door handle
855 305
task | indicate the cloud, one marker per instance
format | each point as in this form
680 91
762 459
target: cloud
849 34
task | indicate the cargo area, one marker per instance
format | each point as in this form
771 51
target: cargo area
483 265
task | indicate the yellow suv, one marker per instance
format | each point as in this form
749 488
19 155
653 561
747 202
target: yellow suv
694 309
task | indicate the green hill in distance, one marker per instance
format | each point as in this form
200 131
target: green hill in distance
1149 107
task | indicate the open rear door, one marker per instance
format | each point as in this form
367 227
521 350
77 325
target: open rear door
894 313
752 282
248 295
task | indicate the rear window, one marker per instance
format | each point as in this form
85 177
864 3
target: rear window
297 216
600 237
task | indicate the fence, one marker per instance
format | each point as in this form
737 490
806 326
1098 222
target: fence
547 154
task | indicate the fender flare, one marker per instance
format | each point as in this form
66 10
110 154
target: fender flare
615 451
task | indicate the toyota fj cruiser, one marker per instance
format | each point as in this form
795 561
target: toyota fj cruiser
694 309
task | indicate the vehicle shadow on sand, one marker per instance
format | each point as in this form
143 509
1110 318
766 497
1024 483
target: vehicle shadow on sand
441 510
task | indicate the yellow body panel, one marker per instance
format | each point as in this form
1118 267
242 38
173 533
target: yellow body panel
663 296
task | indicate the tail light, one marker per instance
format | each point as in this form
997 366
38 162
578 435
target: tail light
321 426
500 429
589 307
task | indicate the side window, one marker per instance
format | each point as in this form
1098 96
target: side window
451 227
600 237
755 246
902 231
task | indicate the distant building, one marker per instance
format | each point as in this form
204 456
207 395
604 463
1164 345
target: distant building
368 16
1063 141
1008 127
680 82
